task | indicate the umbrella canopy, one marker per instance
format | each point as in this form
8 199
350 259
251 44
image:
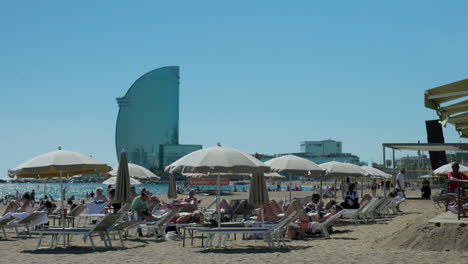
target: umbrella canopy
54 163
429 176
172 188
376 173
291 164
137 172
258 194
217 159
122 189
274 176
340 169
445 169
230 176
113 180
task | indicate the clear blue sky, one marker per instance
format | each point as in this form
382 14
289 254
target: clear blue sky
255 75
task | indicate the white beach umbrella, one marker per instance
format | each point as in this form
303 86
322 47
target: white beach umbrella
445 169
340 169
113 180
57 163
137 172
215 160
376 173
294 165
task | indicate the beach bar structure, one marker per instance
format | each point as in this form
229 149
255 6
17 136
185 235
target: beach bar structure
419 147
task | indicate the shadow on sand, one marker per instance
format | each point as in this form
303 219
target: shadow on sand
75 250
253 250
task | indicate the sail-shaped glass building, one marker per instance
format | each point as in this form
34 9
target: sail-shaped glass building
148 120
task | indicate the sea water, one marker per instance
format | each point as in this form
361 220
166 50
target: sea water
79 190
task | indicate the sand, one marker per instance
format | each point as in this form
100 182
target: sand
406 238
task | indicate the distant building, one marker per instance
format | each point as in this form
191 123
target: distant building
322 147
148 120
319 152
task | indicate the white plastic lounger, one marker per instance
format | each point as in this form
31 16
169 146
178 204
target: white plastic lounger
102 229
270 234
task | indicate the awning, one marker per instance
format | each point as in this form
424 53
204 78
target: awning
427 146
455 113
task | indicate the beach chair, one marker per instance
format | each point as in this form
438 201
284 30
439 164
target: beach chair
4 223
159 227
271 235
70 218
353 213
323 227
123 226
33 219
102 229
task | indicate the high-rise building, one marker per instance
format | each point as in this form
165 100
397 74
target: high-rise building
148 120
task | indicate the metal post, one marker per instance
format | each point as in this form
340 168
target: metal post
218 194
385 168
394 167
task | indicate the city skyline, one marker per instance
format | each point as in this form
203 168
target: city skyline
252 81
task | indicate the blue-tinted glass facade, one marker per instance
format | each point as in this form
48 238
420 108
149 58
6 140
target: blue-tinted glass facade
149 116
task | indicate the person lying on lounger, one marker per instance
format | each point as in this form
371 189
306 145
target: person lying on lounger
20 207
313 223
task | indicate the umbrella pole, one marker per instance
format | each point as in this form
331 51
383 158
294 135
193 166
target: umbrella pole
334 188
362 187
321 189
290 189
218 198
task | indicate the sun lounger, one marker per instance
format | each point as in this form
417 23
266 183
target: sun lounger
323 226
271 235
102 229
4 223
70 218
159 227
123 226
28 222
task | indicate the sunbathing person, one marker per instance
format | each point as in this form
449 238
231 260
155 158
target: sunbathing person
270 215
313 223
185 218
192 200
20 207
100 195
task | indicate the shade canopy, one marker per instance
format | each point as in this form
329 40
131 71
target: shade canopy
340 169
453 111
445 169
113 180
258 193
376 173
137 172
427 146
217 159
60 161
172 188
291 164
122 189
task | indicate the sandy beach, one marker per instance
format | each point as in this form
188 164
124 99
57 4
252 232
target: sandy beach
406 238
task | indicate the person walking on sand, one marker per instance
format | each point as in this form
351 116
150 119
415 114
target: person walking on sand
400 185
